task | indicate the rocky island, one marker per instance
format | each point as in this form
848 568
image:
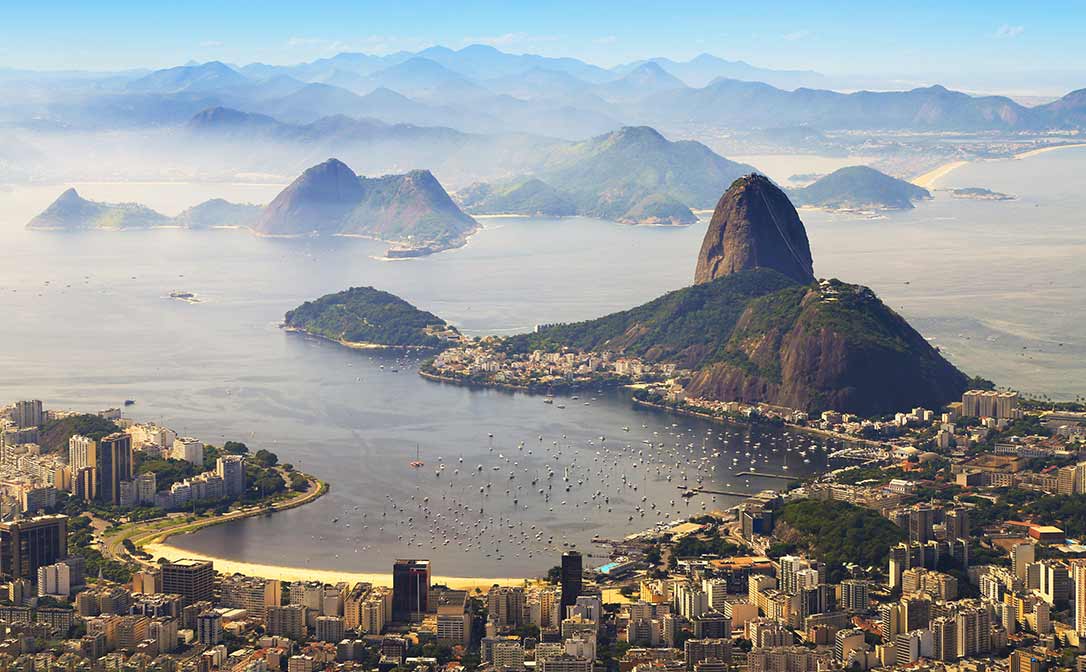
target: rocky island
980 194
73 212
364 317
859 188
411 211
633 175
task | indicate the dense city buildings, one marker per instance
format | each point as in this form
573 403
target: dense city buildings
929 577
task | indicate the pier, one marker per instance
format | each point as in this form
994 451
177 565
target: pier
766 474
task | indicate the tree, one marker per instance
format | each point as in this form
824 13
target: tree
265 458
235 448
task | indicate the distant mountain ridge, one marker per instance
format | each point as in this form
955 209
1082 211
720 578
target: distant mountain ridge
481 89
734 103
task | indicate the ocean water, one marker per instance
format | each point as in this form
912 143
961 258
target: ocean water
998 286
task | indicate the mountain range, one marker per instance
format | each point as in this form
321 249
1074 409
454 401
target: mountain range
412 211
481 89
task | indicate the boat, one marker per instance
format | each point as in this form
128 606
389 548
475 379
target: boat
129 402
417 463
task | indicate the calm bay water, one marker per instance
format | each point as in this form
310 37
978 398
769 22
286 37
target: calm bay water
998 286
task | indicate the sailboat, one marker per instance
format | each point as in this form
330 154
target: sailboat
418 459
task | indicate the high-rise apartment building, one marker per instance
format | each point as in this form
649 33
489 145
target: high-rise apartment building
193 580
113 466
231 469
27 544
28 413
572 576
410 589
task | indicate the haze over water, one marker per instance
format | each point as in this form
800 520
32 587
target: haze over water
985 279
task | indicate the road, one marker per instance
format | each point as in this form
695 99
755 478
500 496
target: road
158 529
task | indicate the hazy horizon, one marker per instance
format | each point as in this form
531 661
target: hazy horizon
1000 48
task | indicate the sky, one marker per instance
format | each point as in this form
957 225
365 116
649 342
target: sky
949 41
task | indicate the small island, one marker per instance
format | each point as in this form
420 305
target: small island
186 296
364 317
980 194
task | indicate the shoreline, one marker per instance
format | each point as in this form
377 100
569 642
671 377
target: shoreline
929 179
287 573
356 345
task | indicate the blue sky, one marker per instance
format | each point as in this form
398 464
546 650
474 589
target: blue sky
948 41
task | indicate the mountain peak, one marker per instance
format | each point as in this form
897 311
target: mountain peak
638 133
70 195
754 226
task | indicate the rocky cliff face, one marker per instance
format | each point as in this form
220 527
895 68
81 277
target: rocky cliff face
317 201
831 346
754 226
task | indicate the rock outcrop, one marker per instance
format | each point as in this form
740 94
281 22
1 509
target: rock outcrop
754 226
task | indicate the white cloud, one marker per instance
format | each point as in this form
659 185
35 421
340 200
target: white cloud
606 39
797 35
211 44
1009 31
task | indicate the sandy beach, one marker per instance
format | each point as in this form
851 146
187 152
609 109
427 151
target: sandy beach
929 179
225 566
1051 148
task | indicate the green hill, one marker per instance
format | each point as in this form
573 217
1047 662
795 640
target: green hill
759 336
838 532
860 187
528 197
54 437
364 315
633 175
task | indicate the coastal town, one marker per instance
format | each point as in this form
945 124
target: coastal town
947 540
483 362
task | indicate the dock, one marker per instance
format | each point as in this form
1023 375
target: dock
766 474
